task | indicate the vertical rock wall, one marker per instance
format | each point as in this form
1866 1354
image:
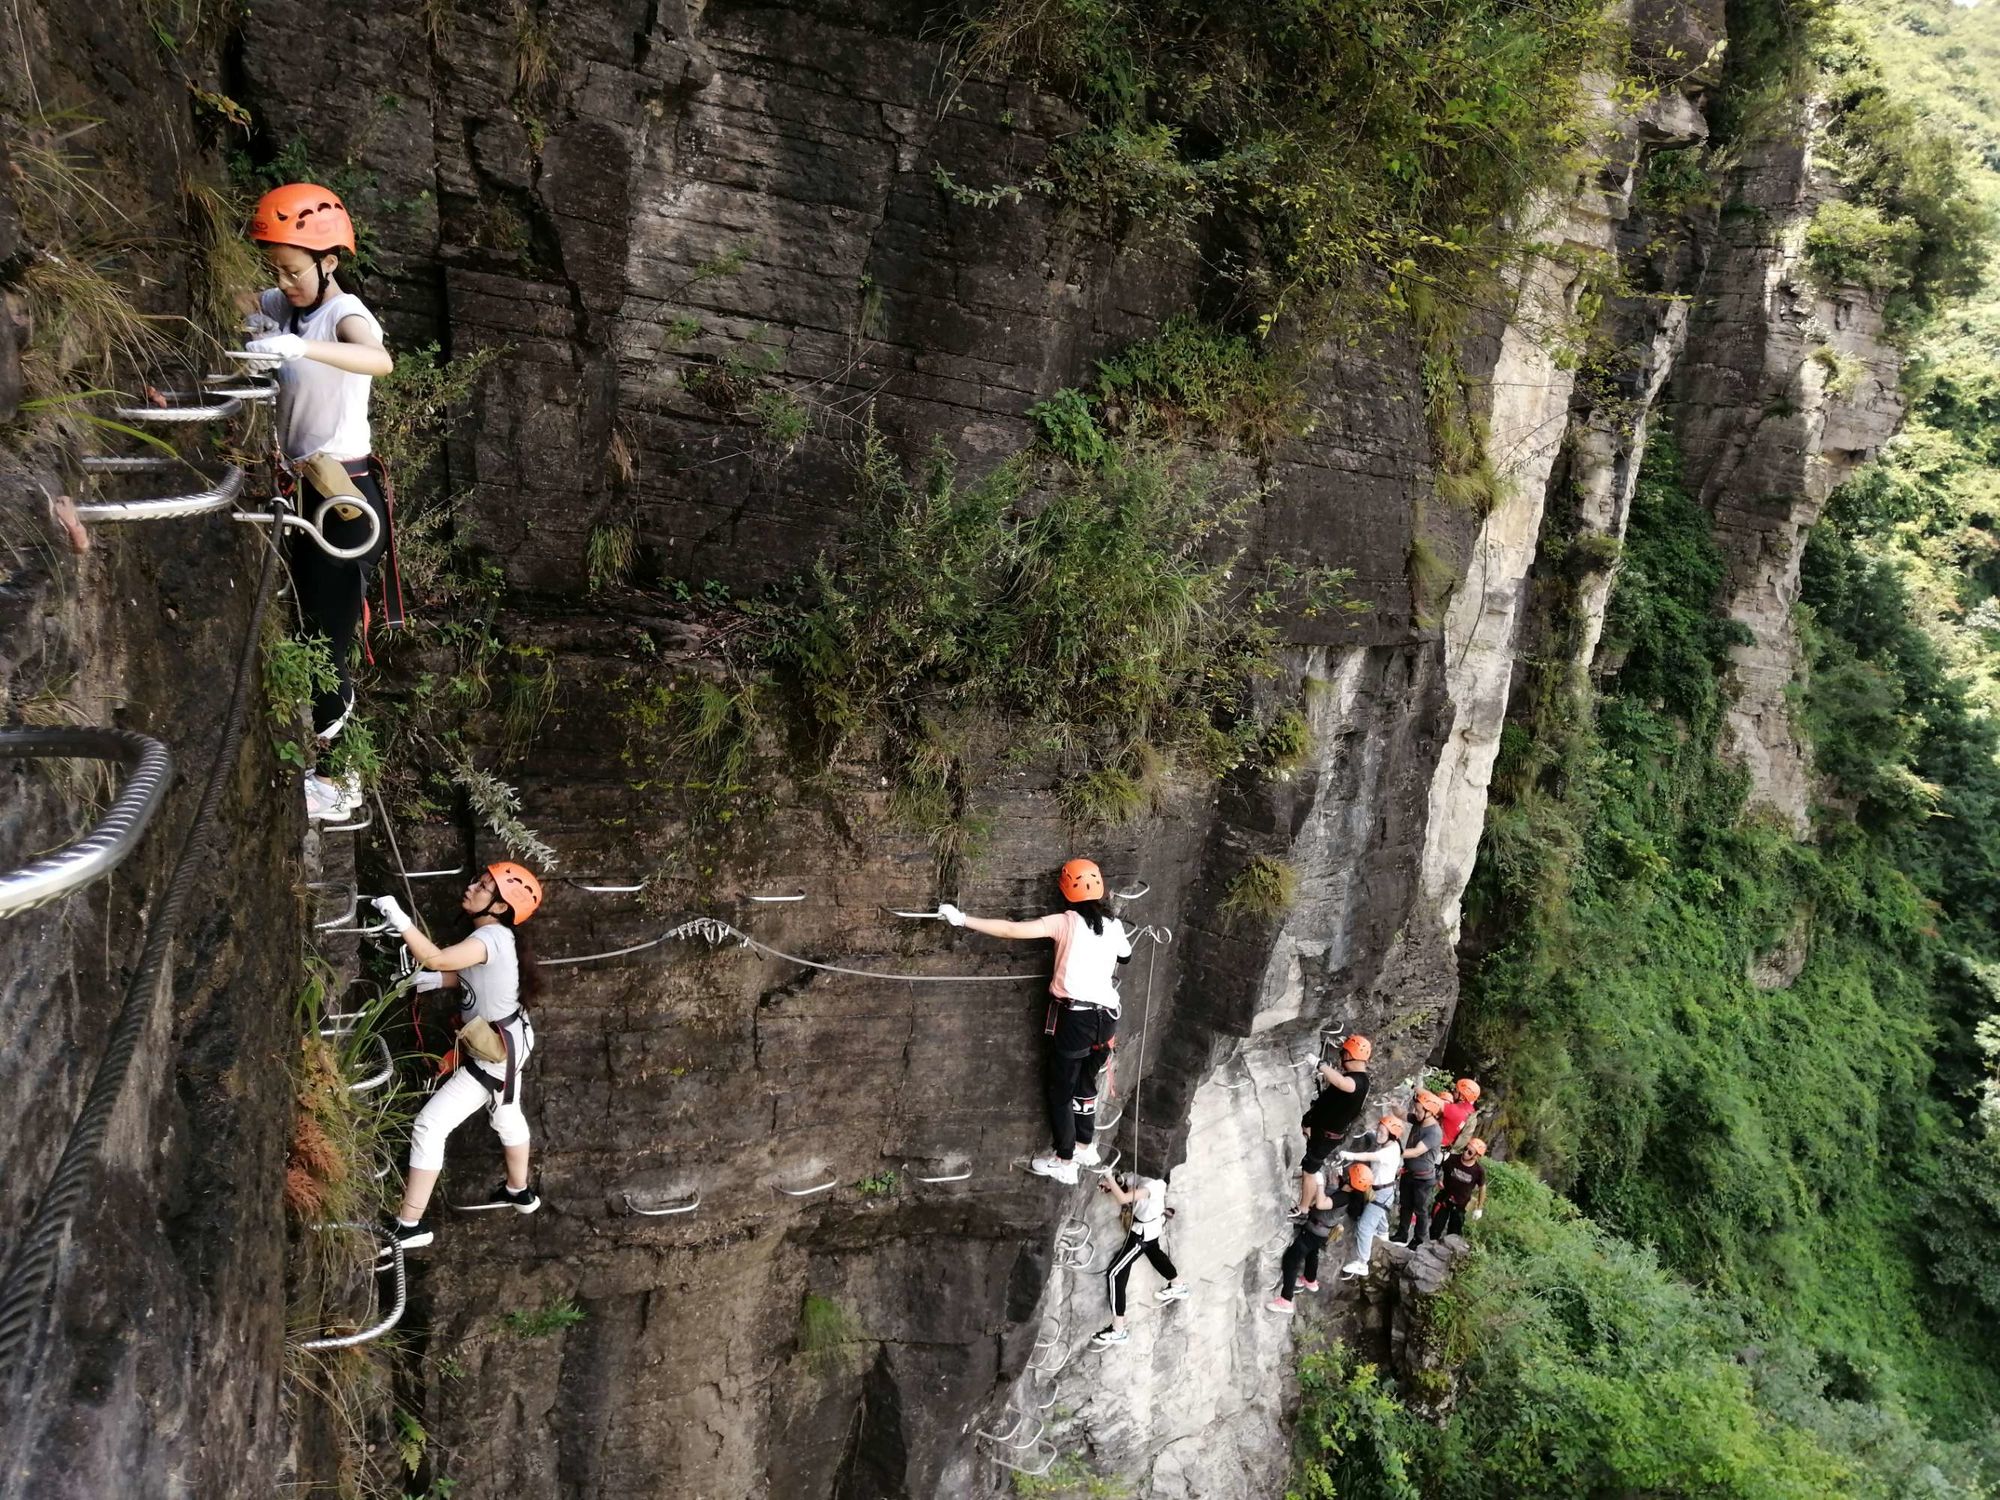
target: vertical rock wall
156 1366
1766 438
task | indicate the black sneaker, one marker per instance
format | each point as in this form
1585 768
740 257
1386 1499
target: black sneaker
410 1236
521 1200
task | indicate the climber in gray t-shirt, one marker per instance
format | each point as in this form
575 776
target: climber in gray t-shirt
1422 1156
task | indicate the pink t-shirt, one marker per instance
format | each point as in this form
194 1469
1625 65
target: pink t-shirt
1085 960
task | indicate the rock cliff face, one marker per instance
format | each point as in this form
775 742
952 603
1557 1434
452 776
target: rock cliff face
677 219
1786 387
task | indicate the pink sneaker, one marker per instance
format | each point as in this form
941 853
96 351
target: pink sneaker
1278 1305
1308 1286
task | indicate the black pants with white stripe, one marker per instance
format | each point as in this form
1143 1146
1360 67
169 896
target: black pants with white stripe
1120 1270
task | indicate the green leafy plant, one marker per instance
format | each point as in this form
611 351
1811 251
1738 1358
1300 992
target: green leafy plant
878 1184
1262 891
539 1322
828 1334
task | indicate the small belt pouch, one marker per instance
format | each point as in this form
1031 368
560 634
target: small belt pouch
479 1037
330 477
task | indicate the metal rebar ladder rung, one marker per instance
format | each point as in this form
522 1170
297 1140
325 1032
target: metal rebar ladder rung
116 834
366 820
382 1075
808 1192
395 1313
773 900
656 1213
950 1177
218 496
202 411
1033 1470
321 887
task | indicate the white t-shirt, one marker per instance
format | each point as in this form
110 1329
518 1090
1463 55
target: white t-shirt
321 409
1085 960
1149 1214
492 989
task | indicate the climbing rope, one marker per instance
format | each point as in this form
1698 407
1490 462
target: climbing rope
105 847
25 1293
715 930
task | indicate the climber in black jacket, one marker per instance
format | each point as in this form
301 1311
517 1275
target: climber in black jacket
1343 1091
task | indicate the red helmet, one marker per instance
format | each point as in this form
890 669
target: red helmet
1357 1048
1393 1125
304 215
517 886
1360 1176
1467 1091
1081 880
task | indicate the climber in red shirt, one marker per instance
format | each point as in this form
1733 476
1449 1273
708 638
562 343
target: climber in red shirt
1456 1118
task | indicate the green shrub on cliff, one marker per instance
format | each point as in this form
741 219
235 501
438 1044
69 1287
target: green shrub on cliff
1108 612
1584 1369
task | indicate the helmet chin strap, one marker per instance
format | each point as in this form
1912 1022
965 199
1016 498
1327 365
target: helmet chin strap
319 270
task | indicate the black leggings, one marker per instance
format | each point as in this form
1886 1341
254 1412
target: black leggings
331 590
1081 1041
1302 1256
1120 1270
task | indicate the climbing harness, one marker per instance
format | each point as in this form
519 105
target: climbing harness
389 1319
25 1293
115 836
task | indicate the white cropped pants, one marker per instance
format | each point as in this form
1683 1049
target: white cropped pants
459 1098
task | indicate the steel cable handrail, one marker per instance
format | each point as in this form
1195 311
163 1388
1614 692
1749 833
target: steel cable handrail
116 835
26 1292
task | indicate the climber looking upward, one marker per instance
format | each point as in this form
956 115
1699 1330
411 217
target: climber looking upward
497 972
1464 1186
1343 1089
1457 1116
1145 1212
1082 1021
1420 1169
326 348
1384 1158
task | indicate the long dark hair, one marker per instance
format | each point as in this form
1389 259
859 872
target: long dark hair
1092 912
524 957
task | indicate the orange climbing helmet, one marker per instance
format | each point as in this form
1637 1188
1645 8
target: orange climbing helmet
517 886
1467 1090
1360 1176
306 216
1476 1149
1427 1100
1081 880
1393 1125
1357 1048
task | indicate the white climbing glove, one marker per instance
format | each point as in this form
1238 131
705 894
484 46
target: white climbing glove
392 911
257 324
278 347
951 914
1344 1156
1479 1213
428 979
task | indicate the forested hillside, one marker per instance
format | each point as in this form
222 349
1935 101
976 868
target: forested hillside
1763 1068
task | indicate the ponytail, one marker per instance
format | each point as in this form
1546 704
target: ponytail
1093 914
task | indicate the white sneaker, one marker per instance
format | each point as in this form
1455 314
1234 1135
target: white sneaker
1087 1155
1048 1164
1355 1268
1104 1338
1170 1294
326 801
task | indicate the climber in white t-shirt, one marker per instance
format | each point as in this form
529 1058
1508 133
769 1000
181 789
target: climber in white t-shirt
326 348
1082 1021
